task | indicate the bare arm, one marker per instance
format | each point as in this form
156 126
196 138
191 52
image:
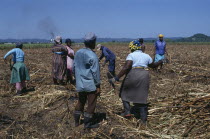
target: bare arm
102 56
154 65
126 68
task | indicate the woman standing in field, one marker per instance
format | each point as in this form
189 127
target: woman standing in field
70 61
59 63
141 41
135 85
160 50
19 71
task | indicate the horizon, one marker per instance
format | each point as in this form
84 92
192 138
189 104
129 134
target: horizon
103 38
28 19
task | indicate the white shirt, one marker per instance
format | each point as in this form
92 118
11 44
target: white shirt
139 59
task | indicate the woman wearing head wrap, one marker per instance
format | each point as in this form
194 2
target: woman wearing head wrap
135 85
19 71
160 49
141 41
59 64
70 61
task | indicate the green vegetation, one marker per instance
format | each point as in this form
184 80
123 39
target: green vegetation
28 46
48 45
152 43
188 43
196 38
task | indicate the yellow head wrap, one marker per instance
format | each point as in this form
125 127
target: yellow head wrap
160 35
134 45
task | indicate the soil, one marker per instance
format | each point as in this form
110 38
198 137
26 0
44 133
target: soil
179 99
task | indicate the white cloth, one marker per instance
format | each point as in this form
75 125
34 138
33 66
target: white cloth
139 59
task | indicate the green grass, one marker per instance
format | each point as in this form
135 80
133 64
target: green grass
27 46
152 43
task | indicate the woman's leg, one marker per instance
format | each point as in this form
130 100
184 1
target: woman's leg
55 81
18 86
67 75
72 80
23 84
71 77
143 111
126 106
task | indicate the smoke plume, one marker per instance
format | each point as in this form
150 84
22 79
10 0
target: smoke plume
47 25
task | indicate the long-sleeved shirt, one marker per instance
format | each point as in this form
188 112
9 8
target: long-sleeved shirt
87 70
160 47
17 53
109 55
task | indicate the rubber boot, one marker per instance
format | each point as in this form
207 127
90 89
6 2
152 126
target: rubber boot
127 113
77 115
143 114
88 121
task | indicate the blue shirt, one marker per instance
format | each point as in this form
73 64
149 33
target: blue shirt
17 53
160 47
87 70
139 59
109 55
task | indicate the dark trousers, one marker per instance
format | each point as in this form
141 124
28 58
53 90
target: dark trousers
91 97
111 75
111 67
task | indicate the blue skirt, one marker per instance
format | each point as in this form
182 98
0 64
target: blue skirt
159 57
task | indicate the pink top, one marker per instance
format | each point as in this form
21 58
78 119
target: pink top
70 61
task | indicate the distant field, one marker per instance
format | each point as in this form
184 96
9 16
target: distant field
47 45
6 46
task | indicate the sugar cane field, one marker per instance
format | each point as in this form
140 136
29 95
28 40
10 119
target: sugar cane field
179 98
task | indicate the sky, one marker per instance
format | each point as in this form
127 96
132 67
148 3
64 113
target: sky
26 19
